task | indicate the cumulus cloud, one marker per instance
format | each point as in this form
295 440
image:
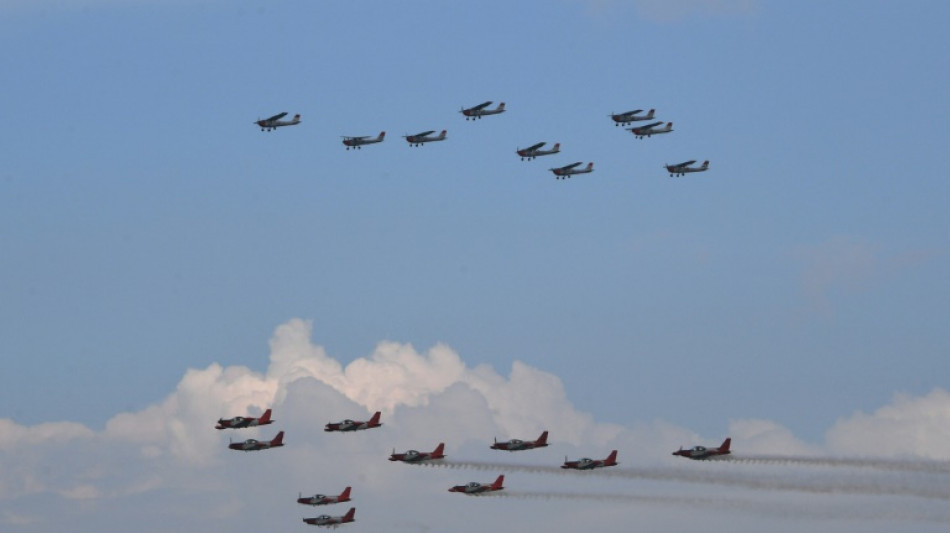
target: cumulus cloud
168 456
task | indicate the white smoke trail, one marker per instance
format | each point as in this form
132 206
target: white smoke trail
930 467
758 481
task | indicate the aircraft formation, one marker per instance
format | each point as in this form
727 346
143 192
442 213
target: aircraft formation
527 154
471 488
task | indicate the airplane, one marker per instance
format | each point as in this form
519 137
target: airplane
354 425
650 129
590 464
242 422
514 445
275 121
534 150
702 452
413 456
568 170
475 487
421 138
684 168
251 445
357 142
320 499
332 521
479 111
622 119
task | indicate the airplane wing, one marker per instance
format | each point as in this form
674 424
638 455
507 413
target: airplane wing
424 134
278 116
648 126
686 164
482 105
572 165
360 138
634 112
536 146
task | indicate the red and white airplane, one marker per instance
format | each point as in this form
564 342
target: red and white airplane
477 488
244 422
515 445
275 122
569 170
480 110
332 521
357 142
651 129
702 452
535 150
414 456
251 445
320 499
622 119
354 425
684 168
589 464
425 137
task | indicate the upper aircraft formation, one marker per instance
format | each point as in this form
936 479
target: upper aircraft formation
527 154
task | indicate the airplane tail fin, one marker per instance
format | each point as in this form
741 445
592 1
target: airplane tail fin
557 147
498 482
439 449
669 126
611 459
543 439
278 440
590 166
375 420
705 164
650 114
501 106
350 515
442 135
725 445
345 495
381 135
297 117
265 418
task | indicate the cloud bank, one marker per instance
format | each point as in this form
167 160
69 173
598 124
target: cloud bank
168 456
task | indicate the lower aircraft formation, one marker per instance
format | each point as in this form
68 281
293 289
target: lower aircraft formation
471 488
483 109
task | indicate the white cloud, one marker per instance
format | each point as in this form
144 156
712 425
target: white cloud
168 456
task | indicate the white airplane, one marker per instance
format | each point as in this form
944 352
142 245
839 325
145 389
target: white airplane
651 129
622 119
357 142
425 137
326 520
684 168
535 150
275 122
569 170
480 110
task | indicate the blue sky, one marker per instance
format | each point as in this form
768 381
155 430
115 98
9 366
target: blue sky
147 227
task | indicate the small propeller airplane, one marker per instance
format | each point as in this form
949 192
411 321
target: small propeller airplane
320 499
569 170
479 111
354 425
244 422
332 521
622 119
651 129
535 150
589 464
476 488
702 452
684 168
357 142
251 445
425 137
515 445
275 121
414 456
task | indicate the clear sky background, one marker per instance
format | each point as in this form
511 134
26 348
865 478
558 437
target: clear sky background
147 227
